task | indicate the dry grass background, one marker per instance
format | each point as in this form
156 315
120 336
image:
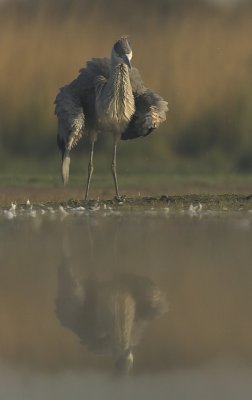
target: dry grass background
200 62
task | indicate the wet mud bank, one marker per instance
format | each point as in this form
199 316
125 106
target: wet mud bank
192 204
207 201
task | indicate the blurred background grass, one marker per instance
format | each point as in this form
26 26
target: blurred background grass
197 54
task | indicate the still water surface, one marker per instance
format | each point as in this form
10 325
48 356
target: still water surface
125 305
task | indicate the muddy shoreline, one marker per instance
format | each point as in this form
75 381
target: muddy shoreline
207 201
228 202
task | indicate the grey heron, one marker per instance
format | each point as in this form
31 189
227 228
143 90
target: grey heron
107 96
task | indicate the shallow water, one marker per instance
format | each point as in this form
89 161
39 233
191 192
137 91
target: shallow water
180 283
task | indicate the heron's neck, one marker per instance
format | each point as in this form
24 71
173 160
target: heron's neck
121 90
119 78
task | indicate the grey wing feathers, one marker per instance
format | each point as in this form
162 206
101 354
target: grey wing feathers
75 104
150 109
70 124
150 113
71 118
87 75
75 100
136 81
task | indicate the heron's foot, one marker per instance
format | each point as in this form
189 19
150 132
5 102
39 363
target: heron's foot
120 199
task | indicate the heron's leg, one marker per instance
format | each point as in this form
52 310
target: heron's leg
113 168
90 168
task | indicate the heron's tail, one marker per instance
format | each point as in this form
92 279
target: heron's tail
65 166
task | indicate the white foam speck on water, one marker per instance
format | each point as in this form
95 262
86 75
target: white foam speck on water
62 210
13 206
78 208
194 210
9 214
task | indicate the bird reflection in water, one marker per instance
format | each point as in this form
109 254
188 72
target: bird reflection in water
108 315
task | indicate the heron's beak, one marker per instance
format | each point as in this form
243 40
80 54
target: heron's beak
127 60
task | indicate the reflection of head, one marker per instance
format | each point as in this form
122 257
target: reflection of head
124 363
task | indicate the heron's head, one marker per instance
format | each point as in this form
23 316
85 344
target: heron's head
121 52
124 363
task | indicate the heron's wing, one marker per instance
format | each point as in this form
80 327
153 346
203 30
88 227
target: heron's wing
87 75
75 108
75 103
150 109
71 120
70 115
85 86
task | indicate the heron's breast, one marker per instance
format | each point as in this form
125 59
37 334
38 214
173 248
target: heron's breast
115 115
115 105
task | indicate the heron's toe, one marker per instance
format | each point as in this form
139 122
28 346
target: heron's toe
120 199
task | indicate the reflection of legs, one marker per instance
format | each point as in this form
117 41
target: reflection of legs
90 169
113 167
